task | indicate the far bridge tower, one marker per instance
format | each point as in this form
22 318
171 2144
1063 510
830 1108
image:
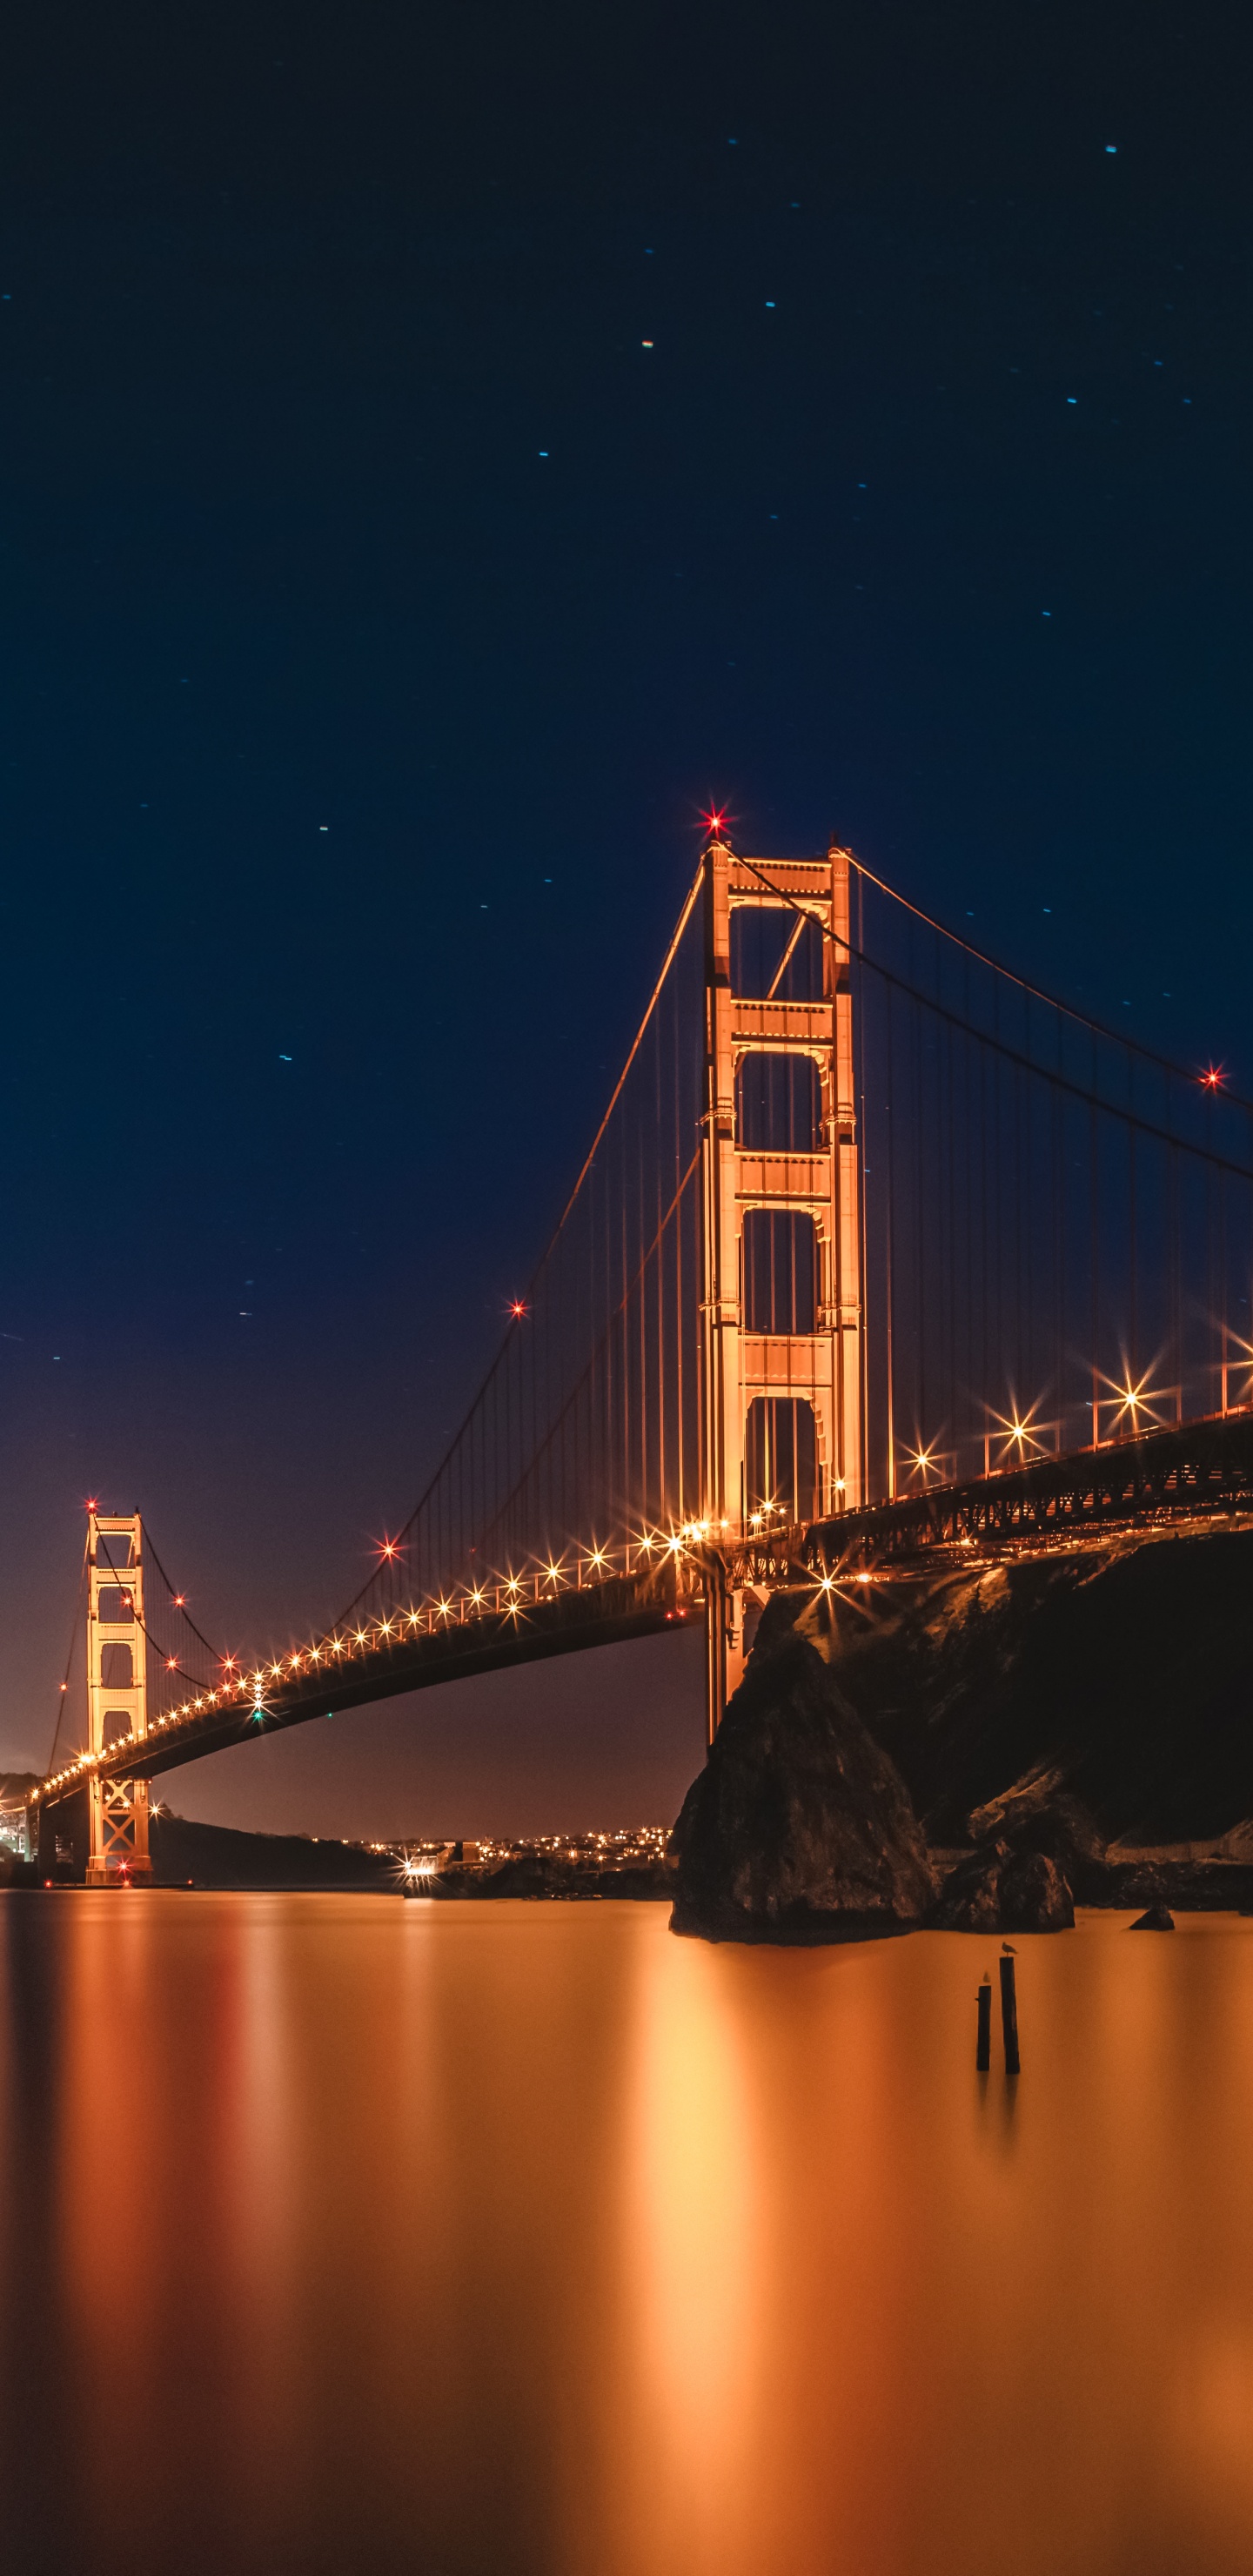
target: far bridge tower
117 1695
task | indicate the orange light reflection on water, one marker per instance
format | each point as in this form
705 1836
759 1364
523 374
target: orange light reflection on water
490 2238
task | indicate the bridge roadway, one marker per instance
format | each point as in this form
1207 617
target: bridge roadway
1196 1472
642 1604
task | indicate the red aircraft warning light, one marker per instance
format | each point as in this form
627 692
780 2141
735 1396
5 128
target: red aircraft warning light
1213 1077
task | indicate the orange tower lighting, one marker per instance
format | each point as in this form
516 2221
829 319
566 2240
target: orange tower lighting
818 1370
117 1695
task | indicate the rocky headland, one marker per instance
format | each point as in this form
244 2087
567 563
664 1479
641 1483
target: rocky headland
545 1874
983 1750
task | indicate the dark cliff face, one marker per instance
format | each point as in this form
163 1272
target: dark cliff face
1035 1710
1125 1670
800 1825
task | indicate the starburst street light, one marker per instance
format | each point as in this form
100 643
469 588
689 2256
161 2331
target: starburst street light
1019 1434
1128 1402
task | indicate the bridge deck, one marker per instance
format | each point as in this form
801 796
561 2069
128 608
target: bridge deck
604 1614
1190 1472
1186 1471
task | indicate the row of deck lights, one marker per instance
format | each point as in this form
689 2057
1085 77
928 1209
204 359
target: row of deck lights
505 1599
544 1585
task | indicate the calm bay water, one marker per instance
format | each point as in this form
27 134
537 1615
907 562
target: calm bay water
338 2233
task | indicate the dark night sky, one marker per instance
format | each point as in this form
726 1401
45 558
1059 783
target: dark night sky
378 611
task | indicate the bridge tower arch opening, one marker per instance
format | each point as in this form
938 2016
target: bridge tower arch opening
781 1287
117 1696
781 1472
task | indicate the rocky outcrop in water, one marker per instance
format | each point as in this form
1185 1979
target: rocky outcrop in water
800 1827
1038 1815
1001 1890
1037 1851
1158 1919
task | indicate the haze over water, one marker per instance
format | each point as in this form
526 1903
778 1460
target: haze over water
526 2240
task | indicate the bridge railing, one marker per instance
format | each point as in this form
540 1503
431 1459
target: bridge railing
1174 1473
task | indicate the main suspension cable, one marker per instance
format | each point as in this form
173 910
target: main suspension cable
1083 1019
511 1330
63 1693
1014 1055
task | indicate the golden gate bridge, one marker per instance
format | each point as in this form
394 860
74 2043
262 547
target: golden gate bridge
880 1254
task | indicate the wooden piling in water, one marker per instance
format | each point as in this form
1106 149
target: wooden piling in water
1009 2017
983 2045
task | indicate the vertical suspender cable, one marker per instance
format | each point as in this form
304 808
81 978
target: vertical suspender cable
891 1404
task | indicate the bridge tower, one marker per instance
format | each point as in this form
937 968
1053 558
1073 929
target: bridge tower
117 1694
781 1292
